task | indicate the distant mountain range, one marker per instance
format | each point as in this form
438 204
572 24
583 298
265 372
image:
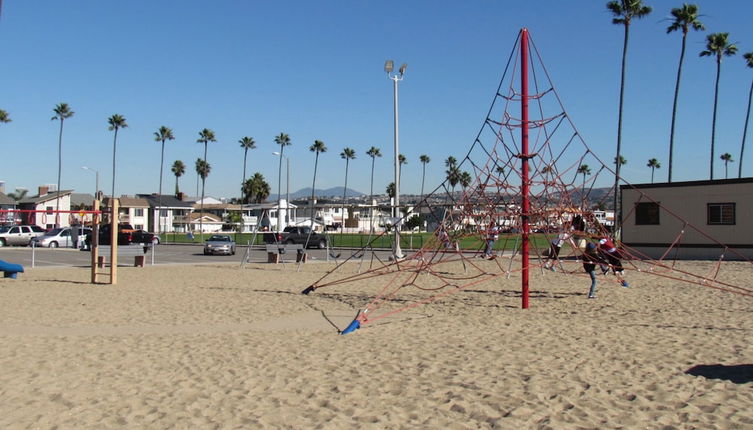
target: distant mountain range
329 192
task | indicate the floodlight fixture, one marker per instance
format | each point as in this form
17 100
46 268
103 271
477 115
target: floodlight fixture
389 66
402 68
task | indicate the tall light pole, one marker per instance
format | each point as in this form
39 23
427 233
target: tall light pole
287 191
96 183
388 67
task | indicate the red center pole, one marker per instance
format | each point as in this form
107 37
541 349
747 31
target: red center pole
524 159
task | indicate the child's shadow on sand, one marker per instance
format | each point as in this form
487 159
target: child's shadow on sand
739 374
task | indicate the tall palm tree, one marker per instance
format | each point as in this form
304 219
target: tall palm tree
246 143
178 170
373 152
749 62
401 160
624 12
283 140
202 169
424 159
685 18
623 161
205 136
62 112
727 158
116 122
4 117
347 155
653 164
584 170
161 135
317 147
717 45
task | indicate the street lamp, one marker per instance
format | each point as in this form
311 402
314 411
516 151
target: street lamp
389 66
287 191
96 187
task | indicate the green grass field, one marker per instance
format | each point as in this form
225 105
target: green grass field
408 240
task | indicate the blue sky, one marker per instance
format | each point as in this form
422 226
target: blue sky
314 70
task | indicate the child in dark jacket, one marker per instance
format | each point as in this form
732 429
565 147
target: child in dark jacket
590 259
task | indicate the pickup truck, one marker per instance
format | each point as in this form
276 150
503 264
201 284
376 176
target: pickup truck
19 234
297 235
126 235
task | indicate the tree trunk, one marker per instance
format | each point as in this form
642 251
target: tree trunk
345 191
114 146
745 131
159 196
713 120
60 167
674 106
617 214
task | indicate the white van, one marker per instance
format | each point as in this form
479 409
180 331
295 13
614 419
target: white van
61 237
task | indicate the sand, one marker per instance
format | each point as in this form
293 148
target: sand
219 346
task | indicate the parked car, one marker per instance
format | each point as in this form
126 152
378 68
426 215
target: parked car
219 244
62 236
19 234
143 236
297 235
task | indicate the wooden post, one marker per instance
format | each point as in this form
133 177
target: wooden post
113 241
94 243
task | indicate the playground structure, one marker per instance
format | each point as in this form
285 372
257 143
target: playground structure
10 270
75 217
531 171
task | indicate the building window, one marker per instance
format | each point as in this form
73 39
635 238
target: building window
139 212
163 213
721 213
49 210
139 226
647 213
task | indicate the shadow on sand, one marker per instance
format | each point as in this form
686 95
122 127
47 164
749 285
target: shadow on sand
739 373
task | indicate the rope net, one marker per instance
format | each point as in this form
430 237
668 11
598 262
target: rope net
481 200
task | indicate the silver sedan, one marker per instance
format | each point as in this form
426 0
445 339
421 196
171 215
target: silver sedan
219 244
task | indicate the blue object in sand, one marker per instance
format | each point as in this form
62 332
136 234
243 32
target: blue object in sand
355 325
10 269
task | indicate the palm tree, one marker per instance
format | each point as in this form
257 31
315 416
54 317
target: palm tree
424 159
246 143
749 62
161 135
623 160
453 172
717 45
624 11
178 170
686 18
283 140
62 112
19 194
401 160
465 180
255 189
202 169
317 147
205 136
4 117
390 190
116 122
727 158
653 164
584 170
347 155
373 152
